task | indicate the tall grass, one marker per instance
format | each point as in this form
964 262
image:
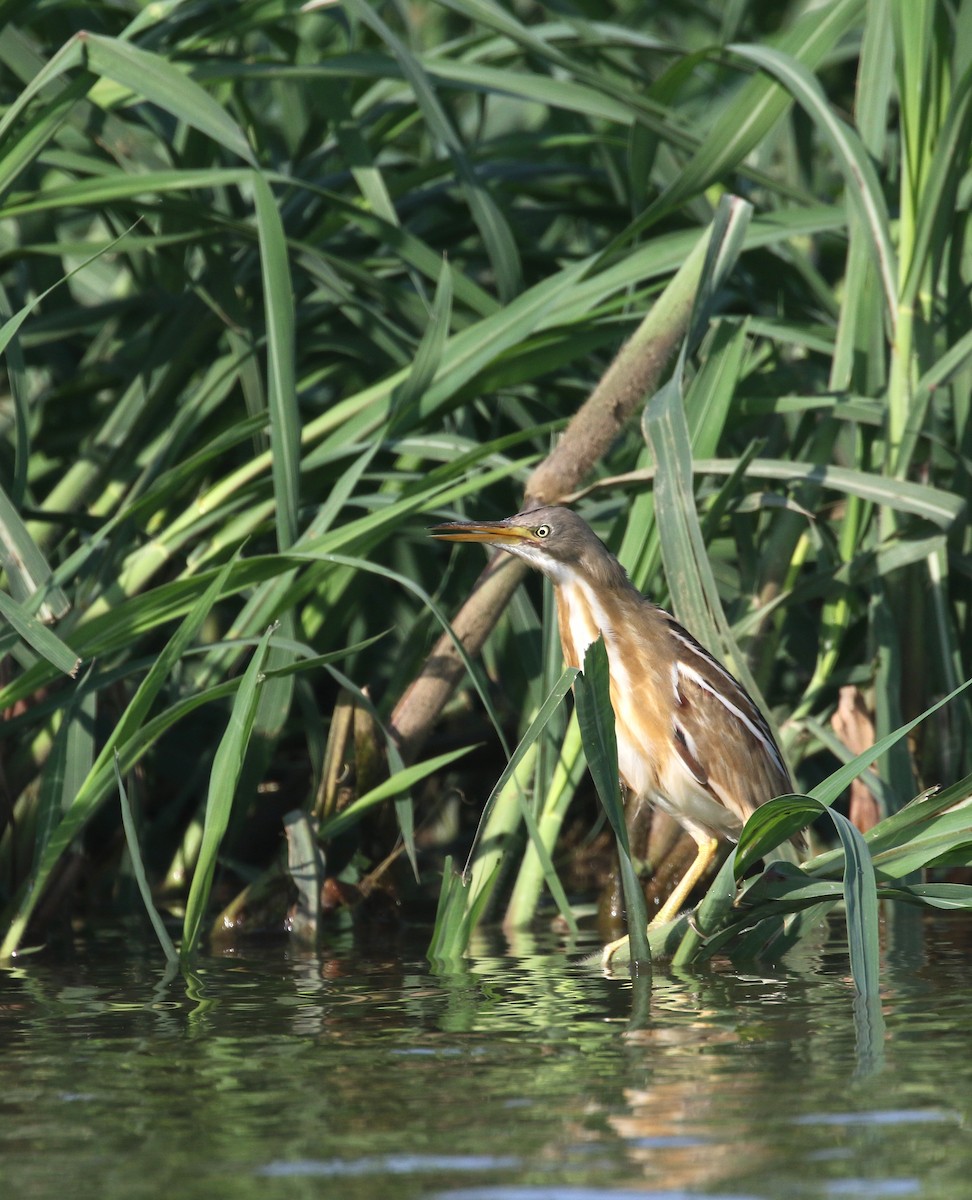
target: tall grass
280 287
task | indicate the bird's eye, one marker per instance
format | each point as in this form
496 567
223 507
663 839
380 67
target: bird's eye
542 531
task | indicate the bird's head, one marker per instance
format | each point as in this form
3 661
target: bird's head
554 540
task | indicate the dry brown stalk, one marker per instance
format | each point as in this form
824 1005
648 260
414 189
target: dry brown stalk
853 725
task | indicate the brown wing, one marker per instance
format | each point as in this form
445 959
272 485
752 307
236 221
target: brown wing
717 720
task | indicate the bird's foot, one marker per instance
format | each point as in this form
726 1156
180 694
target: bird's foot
662 918
609 951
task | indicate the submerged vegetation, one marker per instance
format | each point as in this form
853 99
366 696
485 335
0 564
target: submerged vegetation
280 288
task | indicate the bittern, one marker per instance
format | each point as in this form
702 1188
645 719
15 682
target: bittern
691 740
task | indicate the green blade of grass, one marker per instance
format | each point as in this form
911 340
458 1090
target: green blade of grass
152 77
689 574
400 782
860 902
25 565
223 779
456 915
69 762
947 896
863 188
47 644
138 866
930 503
568 772
428 357
278 303
592 695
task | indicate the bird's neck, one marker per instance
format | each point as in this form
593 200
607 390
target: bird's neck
586 610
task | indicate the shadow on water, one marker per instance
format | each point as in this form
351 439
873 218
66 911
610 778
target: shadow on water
515 1074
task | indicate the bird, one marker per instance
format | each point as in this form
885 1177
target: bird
691 740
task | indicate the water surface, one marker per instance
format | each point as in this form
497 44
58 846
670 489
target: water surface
290 1074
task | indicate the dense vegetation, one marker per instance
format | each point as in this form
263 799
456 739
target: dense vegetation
281 288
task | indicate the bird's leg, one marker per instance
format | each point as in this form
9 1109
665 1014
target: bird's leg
708 848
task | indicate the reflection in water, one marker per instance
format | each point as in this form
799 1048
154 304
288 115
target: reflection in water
500 1077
